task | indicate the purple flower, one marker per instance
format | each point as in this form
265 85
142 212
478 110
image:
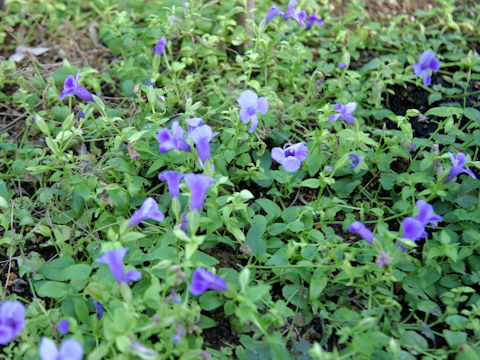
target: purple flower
274 11
359 228
201 136
410 147
12 320
179 333
342 65
114 260
173 182
202 280
300 15
171 141
98 308
426 215
150 83
193 123
199 185
312 19
70 349
81 115
71 87
356 159
160 47
184 223
63 326
250 105
291 157
428 61
384 259
345 112
413 229
148 210
457 167
142 351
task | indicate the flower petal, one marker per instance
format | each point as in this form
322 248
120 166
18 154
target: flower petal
262 105
291 164
70 349
254 122
427 79
47 349
247 99
278 155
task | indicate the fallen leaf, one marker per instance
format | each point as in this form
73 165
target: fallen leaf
22 51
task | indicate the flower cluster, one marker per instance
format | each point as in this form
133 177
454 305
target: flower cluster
299 15
200 134
413 229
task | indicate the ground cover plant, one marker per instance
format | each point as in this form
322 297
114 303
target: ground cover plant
238 179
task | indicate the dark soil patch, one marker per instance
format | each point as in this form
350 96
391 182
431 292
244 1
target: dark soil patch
222 334
226 255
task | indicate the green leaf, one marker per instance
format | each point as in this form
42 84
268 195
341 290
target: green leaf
317 283
254 235
455 338
210 301
52 289
273 210
53 269
444 111
310 183
472 114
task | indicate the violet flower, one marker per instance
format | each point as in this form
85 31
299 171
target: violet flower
250 105
63 326
12 320
148 210
193 123
99 308
312 19
179 333
201 136
428 61
345 112
274 11
199 185
356 159
300 15
114 260
384 259
173 182
71 87
426 215
290 157
359 228
202 280
342 65
457 167
70 349
172 141
160 47
413 229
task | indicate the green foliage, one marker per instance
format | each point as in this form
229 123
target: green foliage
300 285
